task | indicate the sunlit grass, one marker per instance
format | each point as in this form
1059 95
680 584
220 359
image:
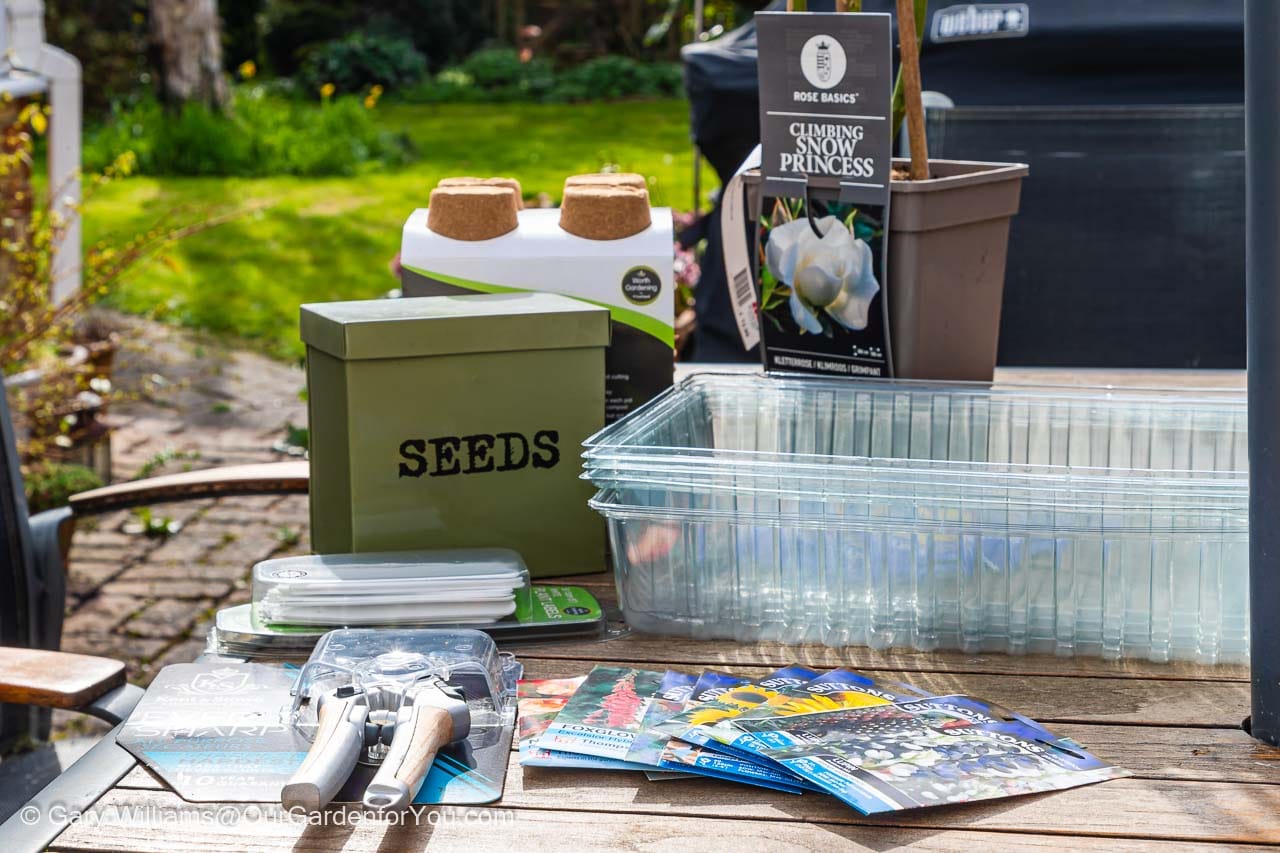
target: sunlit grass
332 238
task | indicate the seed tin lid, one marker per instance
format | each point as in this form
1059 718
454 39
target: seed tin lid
453 325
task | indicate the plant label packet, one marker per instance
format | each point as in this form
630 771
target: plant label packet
823 190
539 702
603 716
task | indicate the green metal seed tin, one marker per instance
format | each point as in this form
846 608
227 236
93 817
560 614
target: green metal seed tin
456 422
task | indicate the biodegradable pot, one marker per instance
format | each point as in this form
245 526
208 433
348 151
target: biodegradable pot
948 240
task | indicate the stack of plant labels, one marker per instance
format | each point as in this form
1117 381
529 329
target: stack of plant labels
296 600
464 587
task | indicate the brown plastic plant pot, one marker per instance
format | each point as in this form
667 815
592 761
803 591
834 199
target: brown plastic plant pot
948 240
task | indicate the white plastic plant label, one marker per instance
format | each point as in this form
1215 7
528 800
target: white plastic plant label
738 266
826 104
825 164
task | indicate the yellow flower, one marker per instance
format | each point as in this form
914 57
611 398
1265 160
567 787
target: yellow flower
376 90
39 123
248 68
327 90
370 102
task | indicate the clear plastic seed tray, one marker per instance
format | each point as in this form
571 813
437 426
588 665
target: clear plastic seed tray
1077 521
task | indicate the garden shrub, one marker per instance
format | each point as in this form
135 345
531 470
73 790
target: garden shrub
262 135
497 75
612 77
361 60
289 27
444 31
51 484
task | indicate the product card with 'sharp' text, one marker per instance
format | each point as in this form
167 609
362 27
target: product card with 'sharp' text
826 160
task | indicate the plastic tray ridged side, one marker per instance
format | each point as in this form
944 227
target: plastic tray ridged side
933 515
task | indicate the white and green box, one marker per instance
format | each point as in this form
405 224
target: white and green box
632 277
456 422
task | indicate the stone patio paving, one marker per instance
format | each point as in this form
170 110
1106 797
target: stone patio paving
147 600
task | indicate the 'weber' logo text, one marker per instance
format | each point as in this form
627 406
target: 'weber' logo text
981 21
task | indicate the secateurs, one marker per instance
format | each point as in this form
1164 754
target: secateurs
392 698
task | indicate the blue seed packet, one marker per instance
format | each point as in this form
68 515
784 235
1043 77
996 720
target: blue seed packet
939 751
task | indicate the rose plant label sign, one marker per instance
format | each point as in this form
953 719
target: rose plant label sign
825 108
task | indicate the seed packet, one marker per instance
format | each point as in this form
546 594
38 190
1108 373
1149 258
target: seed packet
890 766
689 758
673 694
539 701
835 690
603 716
731 701
773 733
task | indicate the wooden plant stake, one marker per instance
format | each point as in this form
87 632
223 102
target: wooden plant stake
909 58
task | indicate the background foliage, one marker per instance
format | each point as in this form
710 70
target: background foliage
497 75
360 61
390 41
264 134
330 238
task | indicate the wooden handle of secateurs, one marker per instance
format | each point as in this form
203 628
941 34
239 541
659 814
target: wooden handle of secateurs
409 758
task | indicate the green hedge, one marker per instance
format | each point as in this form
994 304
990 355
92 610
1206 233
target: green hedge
262 134
498 75
359 61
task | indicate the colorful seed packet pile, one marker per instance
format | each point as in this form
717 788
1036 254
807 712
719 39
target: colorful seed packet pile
875 746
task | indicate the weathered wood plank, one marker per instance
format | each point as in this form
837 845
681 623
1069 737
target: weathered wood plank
1125 808
1046 698
479 830
1171 810
1132 377
55 679
646 648
1206 755
1149 752
270 478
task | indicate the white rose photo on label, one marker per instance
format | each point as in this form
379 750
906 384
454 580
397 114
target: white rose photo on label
818 276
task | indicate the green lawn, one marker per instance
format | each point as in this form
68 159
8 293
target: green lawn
332 238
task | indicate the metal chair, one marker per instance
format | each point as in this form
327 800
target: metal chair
33 675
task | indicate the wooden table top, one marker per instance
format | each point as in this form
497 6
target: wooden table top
1198 780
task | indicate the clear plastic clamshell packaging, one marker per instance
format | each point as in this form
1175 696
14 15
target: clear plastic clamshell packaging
463 658
297 599
456 587
1076 521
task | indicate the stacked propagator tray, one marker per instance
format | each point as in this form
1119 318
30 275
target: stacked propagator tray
1076 521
